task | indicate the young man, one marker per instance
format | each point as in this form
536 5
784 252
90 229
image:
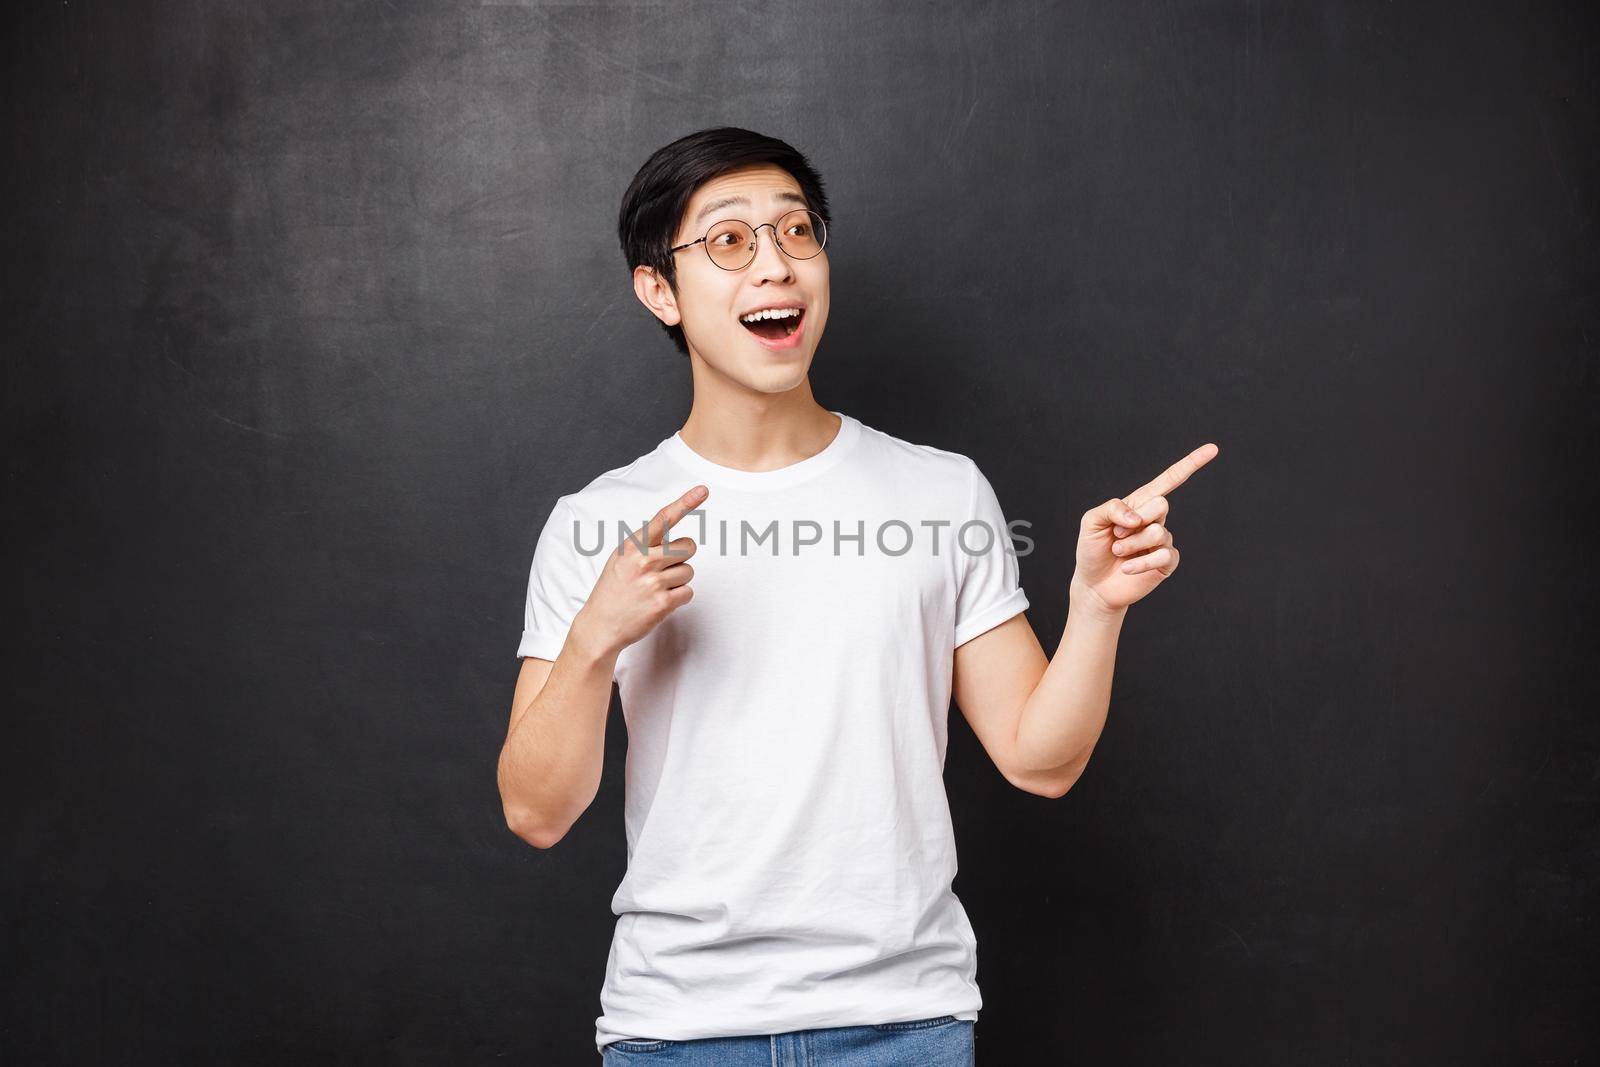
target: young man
790 855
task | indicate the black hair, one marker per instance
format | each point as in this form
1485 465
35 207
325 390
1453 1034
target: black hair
659 194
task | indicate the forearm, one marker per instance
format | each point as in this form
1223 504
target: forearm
550 765
1062 718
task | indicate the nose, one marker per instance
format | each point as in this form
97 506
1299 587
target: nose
770 261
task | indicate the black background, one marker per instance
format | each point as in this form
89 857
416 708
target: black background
314 309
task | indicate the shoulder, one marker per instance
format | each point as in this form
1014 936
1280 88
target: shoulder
649 481
920 464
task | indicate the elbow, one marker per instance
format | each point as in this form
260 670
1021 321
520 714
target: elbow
1048 790
523 819
1053 786
530 829
540 817
1039 786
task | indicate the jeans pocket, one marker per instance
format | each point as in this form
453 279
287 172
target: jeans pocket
917 1024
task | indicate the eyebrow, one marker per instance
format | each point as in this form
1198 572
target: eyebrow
729 201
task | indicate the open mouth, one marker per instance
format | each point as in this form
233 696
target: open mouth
776 329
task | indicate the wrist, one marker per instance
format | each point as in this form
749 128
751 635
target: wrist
587 646
1082 600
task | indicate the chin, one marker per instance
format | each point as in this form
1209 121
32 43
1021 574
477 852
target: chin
775 378
760 368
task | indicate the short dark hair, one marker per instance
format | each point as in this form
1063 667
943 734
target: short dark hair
659 194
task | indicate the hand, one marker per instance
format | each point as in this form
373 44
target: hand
1124 546
638 588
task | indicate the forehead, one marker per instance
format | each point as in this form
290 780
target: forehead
764 186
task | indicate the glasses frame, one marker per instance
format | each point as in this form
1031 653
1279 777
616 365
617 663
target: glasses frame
755 247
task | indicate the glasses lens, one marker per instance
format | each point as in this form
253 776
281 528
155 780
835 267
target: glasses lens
732 244
802 233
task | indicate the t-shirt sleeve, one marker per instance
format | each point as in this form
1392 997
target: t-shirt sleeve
991 583
559 583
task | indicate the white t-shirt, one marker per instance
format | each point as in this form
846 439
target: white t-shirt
790 851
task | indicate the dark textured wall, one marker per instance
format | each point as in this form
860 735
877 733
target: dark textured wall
314 308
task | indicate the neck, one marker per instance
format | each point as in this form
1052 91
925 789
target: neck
752 431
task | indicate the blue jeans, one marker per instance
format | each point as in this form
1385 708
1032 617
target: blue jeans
943 1041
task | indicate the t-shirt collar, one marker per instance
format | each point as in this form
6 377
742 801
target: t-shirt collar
716 474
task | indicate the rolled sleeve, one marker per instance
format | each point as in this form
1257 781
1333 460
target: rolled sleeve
559 582
991 584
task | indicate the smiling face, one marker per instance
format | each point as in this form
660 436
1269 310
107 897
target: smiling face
711 303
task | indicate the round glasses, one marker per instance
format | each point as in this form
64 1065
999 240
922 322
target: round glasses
731 244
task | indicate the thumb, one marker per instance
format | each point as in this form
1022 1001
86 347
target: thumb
1114 512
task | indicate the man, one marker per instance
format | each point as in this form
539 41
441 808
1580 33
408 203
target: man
790 855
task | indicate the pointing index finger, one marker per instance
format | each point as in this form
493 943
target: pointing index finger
1173 476
668 516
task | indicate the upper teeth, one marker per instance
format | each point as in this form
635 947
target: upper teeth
770 313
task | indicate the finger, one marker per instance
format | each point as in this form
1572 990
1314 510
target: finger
1161 559
1154 510
1153 536
1113 511
673 552
1175 475
668 516
677 574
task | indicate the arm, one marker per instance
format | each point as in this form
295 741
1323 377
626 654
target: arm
1039 720
549 770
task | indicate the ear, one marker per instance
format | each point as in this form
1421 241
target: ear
656 294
